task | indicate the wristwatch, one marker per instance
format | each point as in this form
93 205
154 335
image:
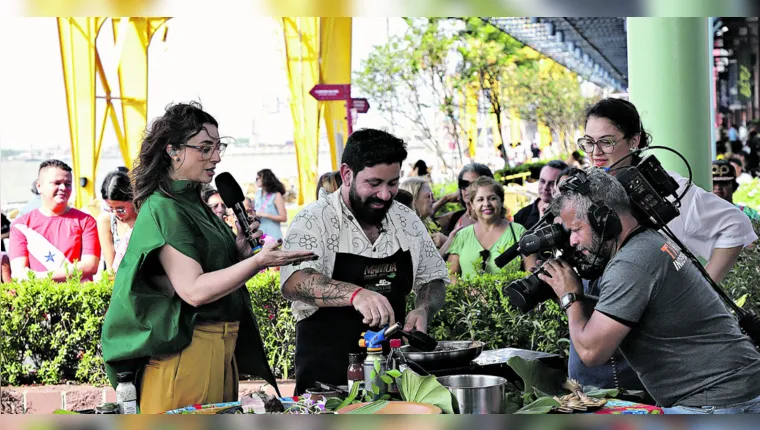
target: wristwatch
567 300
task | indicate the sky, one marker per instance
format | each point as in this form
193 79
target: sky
235 67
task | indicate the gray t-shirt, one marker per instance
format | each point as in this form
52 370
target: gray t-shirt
684 344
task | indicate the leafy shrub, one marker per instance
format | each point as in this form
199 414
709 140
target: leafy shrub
57 326
749 194
742 280
533 168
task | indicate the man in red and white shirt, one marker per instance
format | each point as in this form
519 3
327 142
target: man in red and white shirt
54 238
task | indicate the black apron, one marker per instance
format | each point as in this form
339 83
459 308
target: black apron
324 339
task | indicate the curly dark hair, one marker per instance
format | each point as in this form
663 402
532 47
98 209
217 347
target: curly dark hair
153 167
369 147
270 183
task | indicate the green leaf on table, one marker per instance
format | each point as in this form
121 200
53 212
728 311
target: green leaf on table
599 393
375 389
512 407
333 403
387 379
541 406
425 389
377 366
351 397
536 374
393 373
372 374
370 408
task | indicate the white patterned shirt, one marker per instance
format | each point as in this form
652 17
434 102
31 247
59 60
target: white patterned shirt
327 225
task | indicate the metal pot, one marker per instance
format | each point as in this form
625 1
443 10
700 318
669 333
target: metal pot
477 394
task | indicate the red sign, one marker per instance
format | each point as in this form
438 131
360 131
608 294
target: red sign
331 92
361 105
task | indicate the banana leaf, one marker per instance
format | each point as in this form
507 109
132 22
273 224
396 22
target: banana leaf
541 406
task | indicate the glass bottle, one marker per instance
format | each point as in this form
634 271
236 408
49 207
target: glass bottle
126 393
355 370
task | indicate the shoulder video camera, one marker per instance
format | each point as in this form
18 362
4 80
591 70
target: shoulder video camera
648 186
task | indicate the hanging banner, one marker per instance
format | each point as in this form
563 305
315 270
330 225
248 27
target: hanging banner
744 74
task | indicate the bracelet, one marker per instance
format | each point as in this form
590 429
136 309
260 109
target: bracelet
351 302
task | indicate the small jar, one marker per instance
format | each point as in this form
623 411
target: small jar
355 370
107 409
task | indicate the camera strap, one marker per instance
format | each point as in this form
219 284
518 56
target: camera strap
636 231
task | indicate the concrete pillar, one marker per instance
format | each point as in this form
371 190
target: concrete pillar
669 82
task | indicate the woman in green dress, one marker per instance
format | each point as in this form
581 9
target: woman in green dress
180 318
475 247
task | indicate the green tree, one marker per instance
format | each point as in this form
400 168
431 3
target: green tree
488 59
411 78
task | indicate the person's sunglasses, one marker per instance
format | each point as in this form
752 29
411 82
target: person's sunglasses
463 184
484 255
606 144
120 211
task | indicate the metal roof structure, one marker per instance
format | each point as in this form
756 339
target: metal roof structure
595 48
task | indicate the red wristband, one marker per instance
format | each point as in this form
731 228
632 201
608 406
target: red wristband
351 302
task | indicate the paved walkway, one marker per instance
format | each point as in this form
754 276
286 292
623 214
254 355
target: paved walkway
45 399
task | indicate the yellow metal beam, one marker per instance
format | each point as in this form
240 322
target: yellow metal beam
471 119
133 80
77 38
302 44
335 68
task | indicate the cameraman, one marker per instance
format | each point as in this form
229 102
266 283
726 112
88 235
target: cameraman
654 305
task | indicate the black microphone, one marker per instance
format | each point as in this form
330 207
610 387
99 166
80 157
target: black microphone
233 197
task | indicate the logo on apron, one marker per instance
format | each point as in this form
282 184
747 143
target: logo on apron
376 277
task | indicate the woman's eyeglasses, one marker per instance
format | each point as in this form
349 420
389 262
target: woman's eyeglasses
207 151
606 144
463 184
120 211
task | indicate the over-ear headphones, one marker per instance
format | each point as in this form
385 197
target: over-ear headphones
602 219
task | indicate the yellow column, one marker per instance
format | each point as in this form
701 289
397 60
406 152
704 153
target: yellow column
335 68
302 57
544 135
514 126
79 57
133 80
471 121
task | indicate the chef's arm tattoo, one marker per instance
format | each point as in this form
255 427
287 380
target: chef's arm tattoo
313 288
431 296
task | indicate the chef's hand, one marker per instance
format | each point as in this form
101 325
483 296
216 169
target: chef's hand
416 320
561 277
374 307
272 256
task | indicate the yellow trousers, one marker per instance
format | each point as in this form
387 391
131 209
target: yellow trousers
204 372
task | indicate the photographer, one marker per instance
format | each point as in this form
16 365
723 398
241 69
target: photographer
654 305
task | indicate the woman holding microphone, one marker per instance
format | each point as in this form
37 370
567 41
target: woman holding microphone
180 318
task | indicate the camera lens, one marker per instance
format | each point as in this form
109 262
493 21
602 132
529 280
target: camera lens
526 293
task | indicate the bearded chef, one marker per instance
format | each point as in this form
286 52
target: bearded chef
373 253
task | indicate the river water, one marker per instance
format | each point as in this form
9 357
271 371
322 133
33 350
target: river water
16 177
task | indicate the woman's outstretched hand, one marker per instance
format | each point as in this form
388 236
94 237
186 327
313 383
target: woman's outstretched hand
272 256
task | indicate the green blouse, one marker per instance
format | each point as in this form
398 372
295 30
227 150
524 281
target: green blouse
469 250
141 321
